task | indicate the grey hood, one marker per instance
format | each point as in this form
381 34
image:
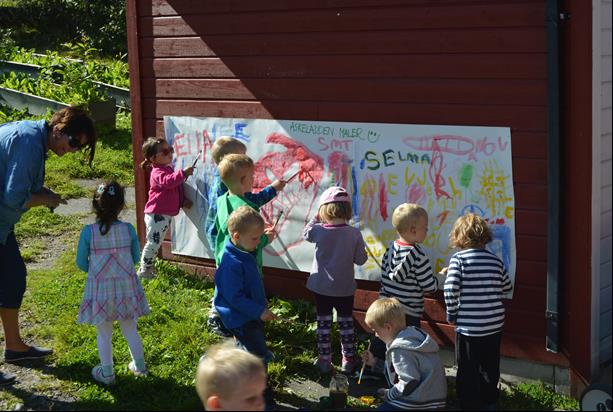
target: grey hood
414 339
415 372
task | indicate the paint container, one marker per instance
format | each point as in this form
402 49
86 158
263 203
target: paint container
339 389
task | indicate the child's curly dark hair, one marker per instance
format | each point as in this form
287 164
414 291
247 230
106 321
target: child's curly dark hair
108 202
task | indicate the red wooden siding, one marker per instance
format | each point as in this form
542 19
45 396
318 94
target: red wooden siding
424 62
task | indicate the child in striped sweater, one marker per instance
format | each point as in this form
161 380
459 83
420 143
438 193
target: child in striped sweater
474 288
406 269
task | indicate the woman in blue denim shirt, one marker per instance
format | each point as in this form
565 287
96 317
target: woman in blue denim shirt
23 152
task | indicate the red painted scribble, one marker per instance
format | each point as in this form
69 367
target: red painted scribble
454 144
277 164
207 143
416 193
442 217
338 165
495 221
179 147
436 167
383 199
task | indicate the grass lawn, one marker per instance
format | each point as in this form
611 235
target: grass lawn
174 337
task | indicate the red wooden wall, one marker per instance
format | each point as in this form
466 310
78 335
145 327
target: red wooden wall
445 62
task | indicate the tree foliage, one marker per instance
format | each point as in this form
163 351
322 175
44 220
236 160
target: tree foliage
45 24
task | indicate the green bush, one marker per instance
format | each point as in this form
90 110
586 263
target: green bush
46 24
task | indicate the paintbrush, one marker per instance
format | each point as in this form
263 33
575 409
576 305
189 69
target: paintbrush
363 364
197 158
293 176
277 221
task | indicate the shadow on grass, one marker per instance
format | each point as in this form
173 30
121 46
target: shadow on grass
37 402
128 392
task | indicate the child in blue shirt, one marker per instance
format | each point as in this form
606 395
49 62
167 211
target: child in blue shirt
240 298
222 147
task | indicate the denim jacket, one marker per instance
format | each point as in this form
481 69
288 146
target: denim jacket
23 152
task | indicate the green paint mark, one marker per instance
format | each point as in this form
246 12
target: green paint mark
466 175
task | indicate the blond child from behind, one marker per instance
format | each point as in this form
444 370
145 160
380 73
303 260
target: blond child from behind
412 366
476 282
407 271
230 379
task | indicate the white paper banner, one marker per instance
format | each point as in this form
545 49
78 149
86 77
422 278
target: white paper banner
446 169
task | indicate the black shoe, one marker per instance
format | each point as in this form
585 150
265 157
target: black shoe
32 353
7 378
216 325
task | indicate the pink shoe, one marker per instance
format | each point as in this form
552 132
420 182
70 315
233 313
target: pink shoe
350 365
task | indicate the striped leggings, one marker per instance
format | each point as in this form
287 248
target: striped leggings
344 310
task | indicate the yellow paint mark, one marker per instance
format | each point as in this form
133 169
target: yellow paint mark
392 182
440 264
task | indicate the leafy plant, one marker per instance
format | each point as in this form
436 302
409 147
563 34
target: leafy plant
536 396
86 64
102 23
9 114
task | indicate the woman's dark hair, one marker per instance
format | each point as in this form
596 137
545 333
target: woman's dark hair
150 149
108 202
75 121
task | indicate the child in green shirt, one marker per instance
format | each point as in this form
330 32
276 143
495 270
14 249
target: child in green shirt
237 173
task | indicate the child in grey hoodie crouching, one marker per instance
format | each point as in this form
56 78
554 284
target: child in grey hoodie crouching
412 367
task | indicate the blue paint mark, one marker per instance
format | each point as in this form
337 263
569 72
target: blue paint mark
239 133
501 244
476 209
362 162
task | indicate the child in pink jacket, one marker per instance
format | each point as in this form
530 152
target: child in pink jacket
165 198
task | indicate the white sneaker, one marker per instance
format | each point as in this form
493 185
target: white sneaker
132 367
148 272
100 378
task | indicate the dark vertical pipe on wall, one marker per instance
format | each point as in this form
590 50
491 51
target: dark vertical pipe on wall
553 173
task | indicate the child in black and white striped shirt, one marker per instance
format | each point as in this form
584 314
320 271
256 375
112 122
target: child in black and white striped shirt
474 288
406 269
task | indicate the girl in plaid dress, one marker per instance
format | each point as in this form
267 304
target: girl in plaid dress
107 251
